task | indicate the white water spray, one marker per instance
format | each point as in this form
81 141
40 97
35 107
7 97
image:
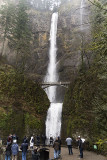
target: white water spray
53 121
81 13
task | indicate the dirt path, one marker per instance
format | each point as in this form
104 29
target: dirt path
87 155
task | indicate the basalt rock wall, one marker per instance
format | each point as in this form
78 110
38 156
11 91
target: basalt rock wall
71 35
68 41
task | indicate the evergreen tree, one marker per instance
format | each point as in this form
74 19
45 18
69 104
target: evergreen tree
7 13
16 25
21 34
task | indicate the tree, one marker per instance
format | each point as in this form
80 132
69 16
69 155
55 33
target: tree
7 13
17 30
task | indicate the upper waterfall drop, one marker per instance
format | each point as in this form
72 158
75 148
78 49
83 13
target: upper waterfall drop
52 75
53 121
81 13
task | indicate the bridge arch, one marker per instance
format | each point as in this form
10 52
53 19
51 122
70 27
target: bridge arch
49 84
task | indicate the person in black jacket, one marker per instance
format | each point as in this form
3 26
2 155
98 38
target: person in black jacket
80 145
35 154
38 140
8 152
24 148
59 140
43 139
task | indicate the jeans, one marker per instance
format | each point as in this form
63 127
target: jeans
70 149
56 153
59 152
23 155
14 157
81 152
7 157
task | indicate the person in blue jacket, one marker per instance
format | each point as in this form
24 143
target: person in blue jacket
24 148
14 149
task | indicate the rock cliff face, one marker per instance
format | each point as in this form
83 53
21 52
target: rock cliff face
40 22
70 34
68 41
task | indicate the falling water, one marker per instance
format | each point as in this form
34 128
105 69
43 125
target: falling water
81 13
53 121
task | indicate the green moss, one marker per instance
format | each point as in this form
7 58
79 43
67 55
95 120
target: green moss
23 103
85 103
32 122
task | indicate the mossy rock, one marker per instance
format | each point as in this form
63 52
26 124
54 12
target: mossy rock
23 103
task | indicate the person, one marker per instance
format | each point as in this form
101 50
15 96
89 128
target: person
51 140
59 140
69 144
31 142
24 148
25 139
14 137
80 146
8 151
14 149
43 139
38 141
35 154
56 148
9 139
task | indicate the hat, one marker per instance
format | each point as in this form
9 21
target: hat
14 141
78 136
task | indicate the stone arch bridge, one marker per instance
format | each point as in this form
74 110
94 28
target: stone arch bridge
49 84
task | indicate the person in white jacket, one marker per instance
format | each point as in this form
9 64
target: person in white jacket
31 142
69 144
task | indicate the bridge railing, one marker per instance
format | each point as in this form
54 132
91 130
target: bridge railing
49 84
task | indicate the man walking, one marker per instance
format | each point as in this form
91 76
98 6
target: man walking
80 145
69 144
56 148
24 148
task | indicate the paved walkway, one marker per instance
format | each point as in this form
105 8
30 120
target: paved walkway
87 155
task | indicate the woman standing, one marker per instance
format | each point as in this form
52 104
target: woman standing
8 152
31 142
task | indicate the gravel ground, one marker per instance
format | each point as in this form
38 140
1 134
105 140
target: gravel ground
87 155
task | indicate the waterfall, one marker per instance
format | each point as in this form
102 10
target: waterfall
81 13
53 121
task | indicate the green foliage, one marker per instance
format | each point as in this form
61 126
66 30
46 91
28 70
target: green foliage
16 25
23 103
7 14
21 35
33 123
102 146
99 31
85 103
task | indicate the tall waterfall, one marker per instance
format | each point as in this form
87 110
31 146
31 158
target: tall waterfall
53 121
81 13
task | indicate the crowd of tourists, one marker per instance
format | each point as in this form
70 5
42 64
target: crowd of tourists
57 146
80 144
12 147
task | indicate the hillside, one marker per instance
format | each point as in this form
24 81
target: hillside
23 104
